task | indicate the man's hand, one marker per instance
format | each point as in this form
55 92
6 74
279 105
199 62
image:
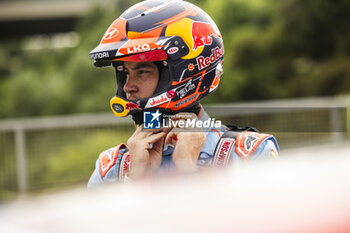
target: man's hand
188 143
142 157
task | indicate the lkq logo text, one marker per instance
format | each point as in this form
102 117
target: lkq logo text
188 87
139 48
204 62
151 120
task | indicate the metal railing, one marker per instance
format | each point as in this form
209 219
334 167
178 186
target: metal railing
20 126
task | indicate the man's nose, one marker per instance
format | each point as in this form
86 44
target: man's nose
130 84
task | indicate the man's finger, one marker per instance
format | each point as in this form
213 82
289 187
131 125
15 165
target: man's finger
170 137
155 137
157 146
145 133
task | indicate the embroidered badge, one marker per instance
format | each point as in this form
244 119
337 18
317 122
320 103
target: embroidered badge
247 142
124 166
223 152
108 158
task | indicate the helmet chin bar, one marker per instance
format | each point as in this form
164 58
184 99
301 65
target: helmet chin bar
122 108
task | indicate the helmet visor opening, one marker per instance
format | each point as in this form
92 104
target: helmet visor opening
154 55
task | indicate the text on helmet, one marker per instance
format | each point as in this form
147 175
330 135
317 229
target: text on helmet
139 48
204 62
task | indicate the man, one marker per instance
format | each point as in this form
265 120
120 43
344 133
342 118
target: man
168 55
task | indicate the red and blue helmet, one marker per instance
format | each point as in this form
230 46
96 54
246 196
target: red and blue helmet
176 34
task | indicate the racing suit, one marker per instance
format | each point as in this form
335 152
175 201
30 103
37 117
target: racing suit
113 164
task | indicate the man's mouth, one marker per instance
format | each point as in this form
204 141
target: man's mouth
131 97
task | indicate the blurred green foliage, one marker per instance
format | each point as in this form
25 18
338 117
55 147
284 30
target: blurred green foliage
57 81
273 49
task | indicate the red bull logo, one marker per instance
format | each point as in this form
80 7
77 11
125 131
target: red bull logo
201 34
132 106
204 62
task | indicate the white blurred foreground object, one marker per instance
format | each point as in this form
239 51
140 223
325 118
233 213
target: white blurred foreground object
307 190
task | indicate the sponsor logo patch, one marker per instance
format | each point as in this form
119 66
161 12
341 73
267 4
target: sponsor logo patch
170 94
190 67
181 92
223 152
173 50
204 62
138 49
132 106
99 55
108 158
158 100
110 33
124 166
247 142
202 34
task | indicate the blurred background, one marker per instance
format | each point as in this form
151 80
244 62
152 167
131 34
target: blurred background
280 56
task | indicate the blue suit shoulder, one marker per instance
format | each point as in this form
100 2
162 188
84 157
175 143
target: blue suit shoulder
108 169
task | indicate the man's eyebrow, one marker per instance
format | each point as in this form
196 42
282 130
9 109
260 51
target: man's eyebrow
143 65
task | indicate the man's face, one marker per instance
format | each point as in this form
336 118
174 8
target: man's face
141 79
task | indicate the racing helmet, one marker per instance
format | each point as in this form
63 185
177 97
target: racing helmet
180 38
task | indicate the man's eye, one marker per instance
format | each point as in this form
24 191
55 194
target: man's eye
143 72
